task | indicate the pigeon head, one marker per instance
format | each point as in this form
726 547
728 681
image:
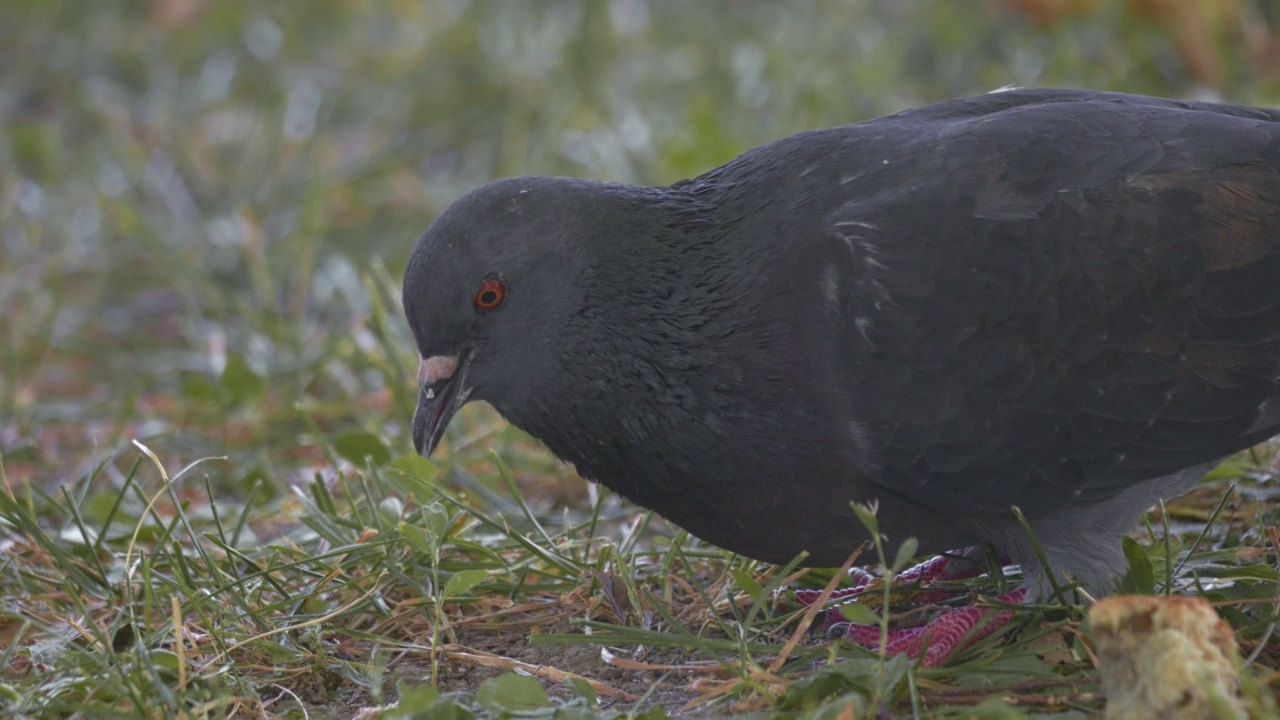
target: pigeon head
614 324
485 290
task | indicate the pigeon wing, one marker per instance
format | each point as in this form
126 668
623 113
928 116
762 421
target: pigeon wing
1051 301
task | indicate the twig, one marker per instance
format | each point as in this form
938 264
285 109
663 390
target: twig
812 612
479 657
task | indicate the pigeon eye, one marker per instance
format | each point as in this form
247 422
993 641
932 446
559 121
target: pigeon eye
490 295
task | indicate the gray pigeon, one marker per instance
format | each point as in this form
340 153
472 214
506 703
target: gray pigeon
1065 301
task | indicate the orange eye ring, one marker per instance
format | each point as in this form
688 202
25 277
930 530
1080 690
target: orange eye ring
490 295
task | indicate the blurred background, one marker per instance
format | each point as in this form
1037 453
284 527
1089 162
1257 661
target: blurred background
205 207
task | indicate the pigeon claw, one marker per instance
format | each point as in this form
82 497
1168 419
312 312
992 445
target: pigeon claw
942 637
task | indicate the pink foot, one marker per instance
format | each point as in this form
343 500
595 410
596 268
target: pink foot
940 567
809 597
944 634
922 574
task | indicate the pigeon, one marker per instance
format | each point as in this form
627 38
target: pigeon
1061 301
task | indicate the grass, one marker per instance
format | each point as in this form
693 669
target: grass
148 600
208 501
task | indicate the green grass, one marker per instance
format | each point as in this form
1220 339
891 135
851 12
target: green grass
209 505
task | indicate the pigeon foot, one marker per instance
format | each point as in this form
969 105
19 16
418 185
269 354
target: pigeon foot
942 636
933 643
942 567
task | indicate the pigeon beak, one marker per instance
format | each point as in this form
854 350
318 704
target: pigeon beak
440 394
